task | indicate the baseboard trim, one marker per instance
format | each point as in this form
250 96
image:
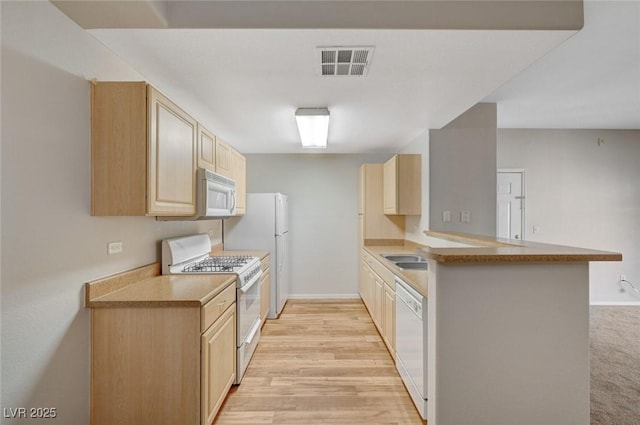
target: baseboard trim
324 296
612 303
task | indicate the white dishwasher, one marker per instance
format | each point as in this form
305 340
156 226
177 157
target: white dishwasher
411 343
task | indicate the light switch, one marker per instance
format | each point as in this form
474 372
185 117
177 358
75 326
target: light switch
446 216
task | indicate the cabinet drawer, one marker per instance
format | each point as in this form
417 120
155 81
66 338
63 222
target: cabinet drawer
379 268
383 272
214 308
366 257
264 263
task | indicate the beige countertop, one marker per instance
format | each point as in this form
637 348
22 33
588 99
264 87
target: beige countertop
146 287
486 249
166 291
415 278
481 249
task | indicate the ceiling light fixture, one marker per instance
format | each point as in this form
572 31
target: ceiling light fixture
313 126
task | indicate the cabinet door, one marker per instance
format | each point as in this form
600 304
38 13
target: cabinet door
409 184
378 302
119 148
218 363
172 158
363 283
239 170
206 149
377 225
224 161
389 318
368 289
390 195
403 185
265 295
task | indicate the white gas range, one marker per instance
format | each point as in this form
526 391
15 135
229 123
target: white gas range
191 255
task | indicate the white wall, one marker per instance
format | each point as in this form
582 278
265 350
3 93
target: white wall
51 245
462 172
584 194
1 404
323 216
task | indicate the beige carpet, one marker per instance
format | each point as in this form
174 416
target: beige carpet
615 365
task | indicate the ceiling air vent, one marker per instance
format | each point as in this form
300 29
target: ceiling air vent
344 61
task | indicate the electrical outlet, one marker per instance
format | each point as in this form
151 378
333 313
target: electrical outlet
114 247
446 216
623 277
465 216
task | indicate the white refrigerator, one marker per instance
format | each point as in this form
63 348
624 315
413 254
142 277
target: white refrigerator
264 227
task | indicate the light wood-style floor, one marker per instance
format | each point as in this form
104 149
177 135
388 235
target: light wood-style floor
320 363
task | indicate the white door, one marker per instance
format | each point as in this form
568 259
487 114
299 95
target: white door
510 209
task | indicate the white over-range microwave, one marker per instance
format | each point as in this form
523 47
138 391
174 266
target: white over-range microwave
215 197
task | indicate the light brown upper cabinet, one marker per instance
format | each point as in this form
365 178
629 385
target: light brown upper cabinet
375 224
143 152
206 149
240 176
403 185
231 163
224 165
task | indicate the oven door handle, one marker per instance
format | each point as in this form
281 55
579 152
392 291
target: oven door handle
254 330
252 282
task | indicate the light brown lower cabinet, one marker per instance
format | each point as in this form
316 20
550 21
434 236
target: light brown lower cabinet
162 365
265 292
378 302
378 294
389 320
364 284
265 288
218 367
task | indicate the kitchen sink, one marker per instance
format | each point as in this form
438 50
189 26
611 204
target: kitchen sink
403 258
407 261
412 265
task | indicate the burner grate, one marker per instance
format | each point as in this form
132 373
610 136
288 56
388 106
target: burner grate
218 264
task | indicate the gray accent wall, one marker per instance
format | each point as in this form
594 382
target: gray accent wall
462 172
